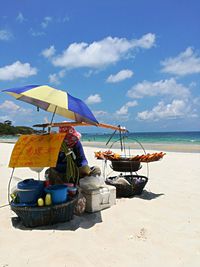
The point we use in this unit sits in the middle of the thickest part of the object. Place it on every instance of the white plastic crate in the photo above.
(99, 199)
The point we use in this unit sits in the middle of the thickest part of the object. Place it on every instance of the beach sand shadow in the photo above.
(147, 195)
(85, 221)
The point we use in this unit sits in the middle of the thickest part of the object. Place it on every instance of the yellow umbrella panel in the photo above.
(55, 101)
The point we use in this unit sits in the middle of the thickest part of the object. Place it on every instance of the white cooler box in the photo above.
(99, 199)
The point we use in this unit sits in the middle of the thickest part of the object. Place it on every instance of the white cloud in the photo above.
(100, 113)
(120, 76)
(17, 70)
(66, 19)
(20, 18)
(13, 109)
(163, 87)
(9, 105)
(4, 118)
(101, 53)
(49, 52)
(177, 109)
(36, 33)
(55, 77)
(196, 100)
(93, 99)
(89, 73)
(187, 62)
(124, 109)
(147, 41)
(46, 22)
(5, 35)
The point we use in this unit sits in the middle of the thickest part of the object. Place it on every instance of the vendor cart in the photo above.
(38, 151)
(128, 182)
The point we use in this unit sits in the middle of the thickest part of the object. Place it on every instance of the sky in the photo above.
(135, 63)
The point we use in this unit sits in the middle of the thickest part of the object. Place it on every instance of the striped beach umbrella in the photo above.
(55, 101)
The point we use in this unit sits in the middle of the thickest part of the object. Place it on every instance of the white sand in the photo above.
(160, 228)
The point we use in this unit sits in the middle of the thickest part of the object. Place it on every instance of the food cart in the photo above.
(129, 182)
(34, 201)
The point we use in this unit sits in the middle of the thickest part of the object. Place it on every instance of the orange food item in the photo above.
(109, 155)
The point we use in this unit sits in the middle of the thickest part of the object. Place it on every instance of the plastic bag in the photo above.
(92, 182)
(80, 206)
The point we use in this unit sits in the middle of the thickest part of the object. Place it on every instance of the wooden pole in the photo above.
(74, 123)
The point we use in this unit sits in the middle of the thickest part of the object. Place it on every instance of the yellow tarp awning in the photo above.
(36, 150)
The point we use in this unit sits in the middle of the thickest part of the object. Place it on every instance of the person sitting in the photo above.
(70, 158)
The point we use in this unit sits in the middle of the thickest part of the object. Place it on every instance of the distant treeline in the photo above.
(6, 128)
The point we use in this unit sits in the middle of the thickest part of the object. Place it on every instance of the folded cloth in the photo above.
(121, 180)
(95, 170)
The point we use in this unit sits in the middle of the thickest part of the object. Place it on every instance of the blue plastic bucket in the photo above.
(29, 190)
(58, 193)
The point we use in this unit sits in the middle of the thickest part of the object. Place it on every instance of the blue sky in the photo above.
(135, 63)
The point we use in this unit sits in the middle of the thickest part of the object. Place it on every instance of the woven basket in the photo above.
(128, 190)
(47, 215)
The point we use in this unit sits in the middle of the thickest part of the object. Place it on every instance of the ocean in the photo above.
(148, 137)
(143, 137)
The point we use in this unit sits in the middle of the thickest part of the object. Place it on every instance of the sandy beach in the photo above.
(159, 228)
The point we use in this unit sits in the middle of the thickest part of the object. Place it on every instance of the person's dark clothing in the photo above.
(80, 160)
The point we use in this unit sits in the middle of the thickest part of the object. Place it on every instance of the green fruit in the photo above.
(40, 202)
(48, 200)
(13, 196)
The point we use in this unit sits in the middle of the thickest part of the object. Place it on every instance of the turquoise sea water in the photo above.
(8, 138)
(148, 137)
(144, 137)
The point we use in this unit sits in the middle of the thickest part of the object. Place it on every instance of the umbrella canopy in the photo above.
(54, 100)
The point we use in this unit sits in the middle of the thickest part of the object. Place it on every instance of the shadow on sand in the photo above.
(85, 221)
(147, 195)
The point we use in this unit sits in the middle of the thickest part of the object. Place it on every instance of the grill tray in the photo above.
(125, 165)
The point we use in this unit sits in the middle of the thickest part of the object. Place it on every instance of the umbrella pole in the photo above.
(49, 127)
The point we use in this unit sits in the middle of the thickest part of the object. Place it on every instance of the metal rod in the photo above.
(53, 115)
(120, 134)
(9, 185)
(110, 137)
(50, 125)
(145, 154)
